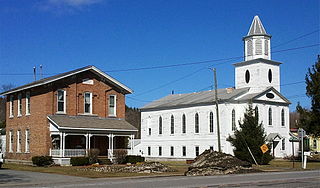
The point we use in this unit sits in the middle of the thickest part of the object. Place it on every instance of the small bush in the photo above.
(133, 159)
(104, 161)
(79, 161)
(42, 160)
(93, 155)
(120, 155)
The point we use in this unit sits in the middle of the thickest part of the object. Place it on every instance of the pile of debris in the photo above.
(147, 167)
(216, 163)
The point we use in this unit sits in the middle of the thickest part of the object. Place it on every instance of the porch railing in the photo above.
(68, 152)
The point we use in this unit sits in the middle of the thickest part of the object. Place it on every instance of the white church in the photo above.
(182, 126)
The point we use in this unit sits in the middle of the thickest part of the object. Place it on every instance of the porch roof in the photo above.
(89, 122)
(272, 136)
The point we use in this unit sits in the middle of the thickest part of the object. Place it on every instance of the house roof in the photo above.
(90, 122)
(67, 74)
(256, 28)
(258, 60)
(191, 99)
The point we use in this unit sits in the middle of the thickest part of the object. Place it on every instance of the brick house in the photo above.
(66, 115)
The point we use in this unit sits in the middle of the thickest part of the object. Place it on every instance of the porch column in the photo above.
(60, 144)
(110, 150)
(131, 143)
(87, 143)
(63, 143)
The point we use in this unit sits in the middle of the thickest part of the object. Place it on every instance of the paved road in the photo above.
(307, 179)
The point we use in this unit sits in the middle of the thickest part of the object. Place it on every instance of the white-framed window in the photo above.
(28, 103)
(270, 116)
(282, 118)
(11, 106)
(258, 47)
(18, 141)
(283, 144)
(112, 105)
(233, 120)
(160, 151)
(196, 123)
(197, 150)
(256, 111)
(160, 125)
(11, 139)
(314, 143)
(19, 104)
(27, 146)
(172, 125)
(171, 151)
(211, 122)
(61, 101)
(149, 150)
(184, 124)
(87, 103)
(184, 151)
(149, 131)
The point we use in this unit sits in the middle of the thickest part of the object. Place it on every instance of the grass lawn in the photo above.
(179, 166)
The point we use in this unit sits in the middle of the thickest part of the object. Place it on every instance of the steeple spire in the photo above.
(257, 41)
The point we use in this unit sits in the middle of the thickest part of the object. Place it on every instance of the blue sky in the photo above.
(63, 35)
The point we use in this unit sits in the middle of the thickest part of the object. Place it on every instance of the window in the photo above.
(270, 116)
(149, 132)
(211, 122)
(27, 148)
(184, 124)
(11, 141)
(270, 76)
(266, 47)
(61, 101)
(197, 150)
(88, 103)
(28, 103)
(19, 104)
(172, 124)
(160, 150)
(282, 118)
(283, 144)
(256, 111)
(149, 150)
(184, 151)
(233, 121)
(18, 141)
(247, 76)
(160, 125)
(314, 143)
(258, 47)
(249, 48)
(172, 151)
(11, 106)
(211, 148)
(196, 123)
(112, 105)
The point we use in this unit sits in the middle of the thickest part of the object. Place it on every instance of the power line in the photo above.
(297, 38)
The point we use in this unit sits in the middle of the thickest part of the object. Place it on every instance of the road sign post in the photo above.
(301, 134)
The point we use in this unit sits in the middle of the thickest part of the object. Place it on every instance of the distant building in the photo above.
(66, 115)
(182, 126)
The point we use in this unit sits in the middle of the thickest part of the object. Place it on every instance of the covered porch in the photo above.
(76, 136)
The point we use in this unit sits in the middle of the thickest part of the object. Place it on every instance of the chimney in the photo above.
(34, 73)
(40, 71)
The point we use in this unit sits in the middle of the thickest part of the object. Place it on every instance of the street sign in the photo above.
(264, 148)
(301, 132)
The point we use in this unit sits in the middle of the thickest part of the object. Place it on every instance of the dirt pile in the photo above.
(216, 163)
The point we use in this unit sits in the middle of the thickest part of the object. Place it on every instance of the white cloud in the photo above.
(60, 6)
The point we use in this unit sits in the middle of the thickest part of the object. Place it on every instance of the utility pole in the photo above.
(217, 107)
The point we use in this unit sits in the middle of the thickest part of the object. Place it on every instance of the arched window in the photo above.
(172, 124)
(249, 48)
(258, 47)
(183, 123)
(282, 118)
(211, 122)
(266, 47)
(160, 125)
(270, 116)
(233, 120)
(247, 76)
(196, 123)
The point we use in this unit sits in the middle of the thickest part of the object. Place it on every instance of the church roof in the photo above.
(194, 99)
(254, 96)
(257, 28)
(258, 60)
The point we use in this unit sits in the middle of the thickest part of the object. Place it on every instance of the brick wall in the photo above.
(44, 102)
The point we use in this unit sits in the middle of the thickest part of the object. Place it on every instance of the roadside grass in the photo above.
(180, 168)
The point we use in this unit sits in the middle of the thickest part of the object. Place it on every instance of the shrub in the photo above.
(120, 155)
(42, 160)
(93, 155)
(79, 161)
(104, 161)
(133, 159)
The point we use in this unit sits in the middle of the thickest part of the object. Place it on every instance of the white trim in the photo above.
(89, 68)
(28, 104)
(19, 105)
(115, 105)
(10, 141)
(84, 103)
(27, 145)
(64, 101)
(18, 141)
(11, 108)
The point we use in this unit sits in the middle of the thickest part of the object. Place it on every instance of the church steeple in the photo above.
(257, 41)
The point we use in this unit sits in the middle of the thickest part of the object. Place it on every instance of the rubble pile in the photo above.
(147, 167)
(217, 163)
